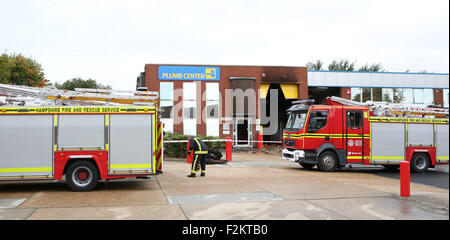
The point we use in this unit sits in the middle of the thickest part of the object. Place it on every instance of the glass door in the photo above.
(242, 132)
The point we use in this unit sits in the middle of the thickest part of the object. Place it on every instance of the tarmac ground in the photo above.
(254, 186)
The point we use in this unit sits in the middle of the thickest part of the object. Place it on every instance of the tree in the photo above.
(6, 65)
(81, 83)
(317, 65)
(19, 70)
(376, 67)
(341, 65)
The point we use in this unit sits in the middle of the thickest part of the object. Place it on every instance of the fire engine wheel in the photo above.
(82, 176)
(420, 162)
(328, 161)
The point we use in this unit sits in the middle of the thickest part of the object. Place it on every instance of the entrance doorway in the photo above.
(282, 104)
(242, 132)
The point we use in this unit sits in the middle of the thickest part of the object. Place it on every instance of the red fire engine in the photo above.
(86, 144)
(331, 136)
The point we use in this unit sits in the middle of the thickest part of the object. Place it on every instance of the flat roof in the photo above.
(378, 72)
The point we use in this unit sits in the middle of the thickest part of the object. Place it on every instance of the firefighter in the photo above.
(200, 151)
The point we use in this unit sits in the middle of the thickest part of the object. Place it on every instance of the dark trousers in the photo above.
(199, 159)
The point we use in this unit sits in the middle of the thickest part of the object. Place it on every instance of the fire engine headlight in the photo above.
(299, 154)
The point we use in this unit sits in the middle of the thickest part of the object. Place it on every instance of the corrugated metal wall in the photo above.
(381, 79)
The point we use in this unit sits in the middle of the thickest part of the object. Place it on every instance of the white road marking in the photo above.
(366, 209)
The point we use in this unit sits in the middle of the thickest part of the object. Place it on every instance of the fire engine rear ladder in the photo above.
(393, 109)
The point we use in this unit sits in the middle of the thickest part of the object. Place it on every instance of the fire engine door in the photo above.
(354, 135)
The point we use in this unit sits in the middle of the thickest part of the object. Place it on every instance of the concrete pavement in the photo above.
(253, 186)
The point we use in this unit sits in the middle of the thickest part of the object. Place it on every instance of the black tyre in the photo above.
(420, 162)
(82, 176)
(328, 161)
(307, 165)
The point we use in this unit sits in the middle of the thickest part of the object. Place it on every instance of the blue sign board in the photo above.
(188, 73)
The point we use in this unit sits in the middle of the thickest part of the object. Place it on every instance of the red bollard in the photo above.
(260, 141)
(404, 179)
(189, 157)
(229, 148)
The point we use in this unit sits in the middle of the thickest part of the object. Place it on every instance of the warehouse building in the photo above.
(394, 87)
(242, 101)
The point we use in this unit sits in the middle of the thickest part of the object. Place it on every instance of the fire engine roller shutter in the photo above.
(442, 143)
(421, 135)
(81, 131)
(388, 142)
(26, 147)
(131, 143)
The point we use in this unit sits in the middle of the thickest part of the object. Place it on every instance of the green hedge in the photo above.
(178, 150)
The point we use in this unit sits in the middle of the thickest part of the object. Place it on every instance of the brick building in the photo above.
(204, 99)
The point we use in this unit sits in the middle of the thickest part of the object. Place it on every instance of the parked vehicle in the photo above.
(331, 136)
(86, 144)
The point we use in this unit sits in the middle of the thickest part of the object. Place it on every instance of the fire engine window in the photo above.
(354, 119)
(317, 121)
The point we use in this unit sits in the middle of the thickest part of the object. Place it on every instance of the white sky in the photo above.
(111, 41)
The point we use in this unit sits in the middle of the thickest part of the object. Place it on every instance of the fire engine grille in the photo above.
(288, 155)
(289, 142)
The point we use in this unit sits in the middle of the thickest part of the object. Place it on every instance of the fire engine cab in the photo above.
(331, 136)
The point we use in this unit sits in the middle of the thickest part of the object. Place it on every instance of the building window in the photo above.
(408, 96)
(166, 105)
(388, 95)
(356, 94)
(212, 109)
(366, 94)
(189, 100)
(189, 111)
(212, 100)
(189, 108)
(393, 95)
(428, 97)
(377, 94)
(418, 95)
(445, 93)
(166, 99)
(166, 110)
(398, 95)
